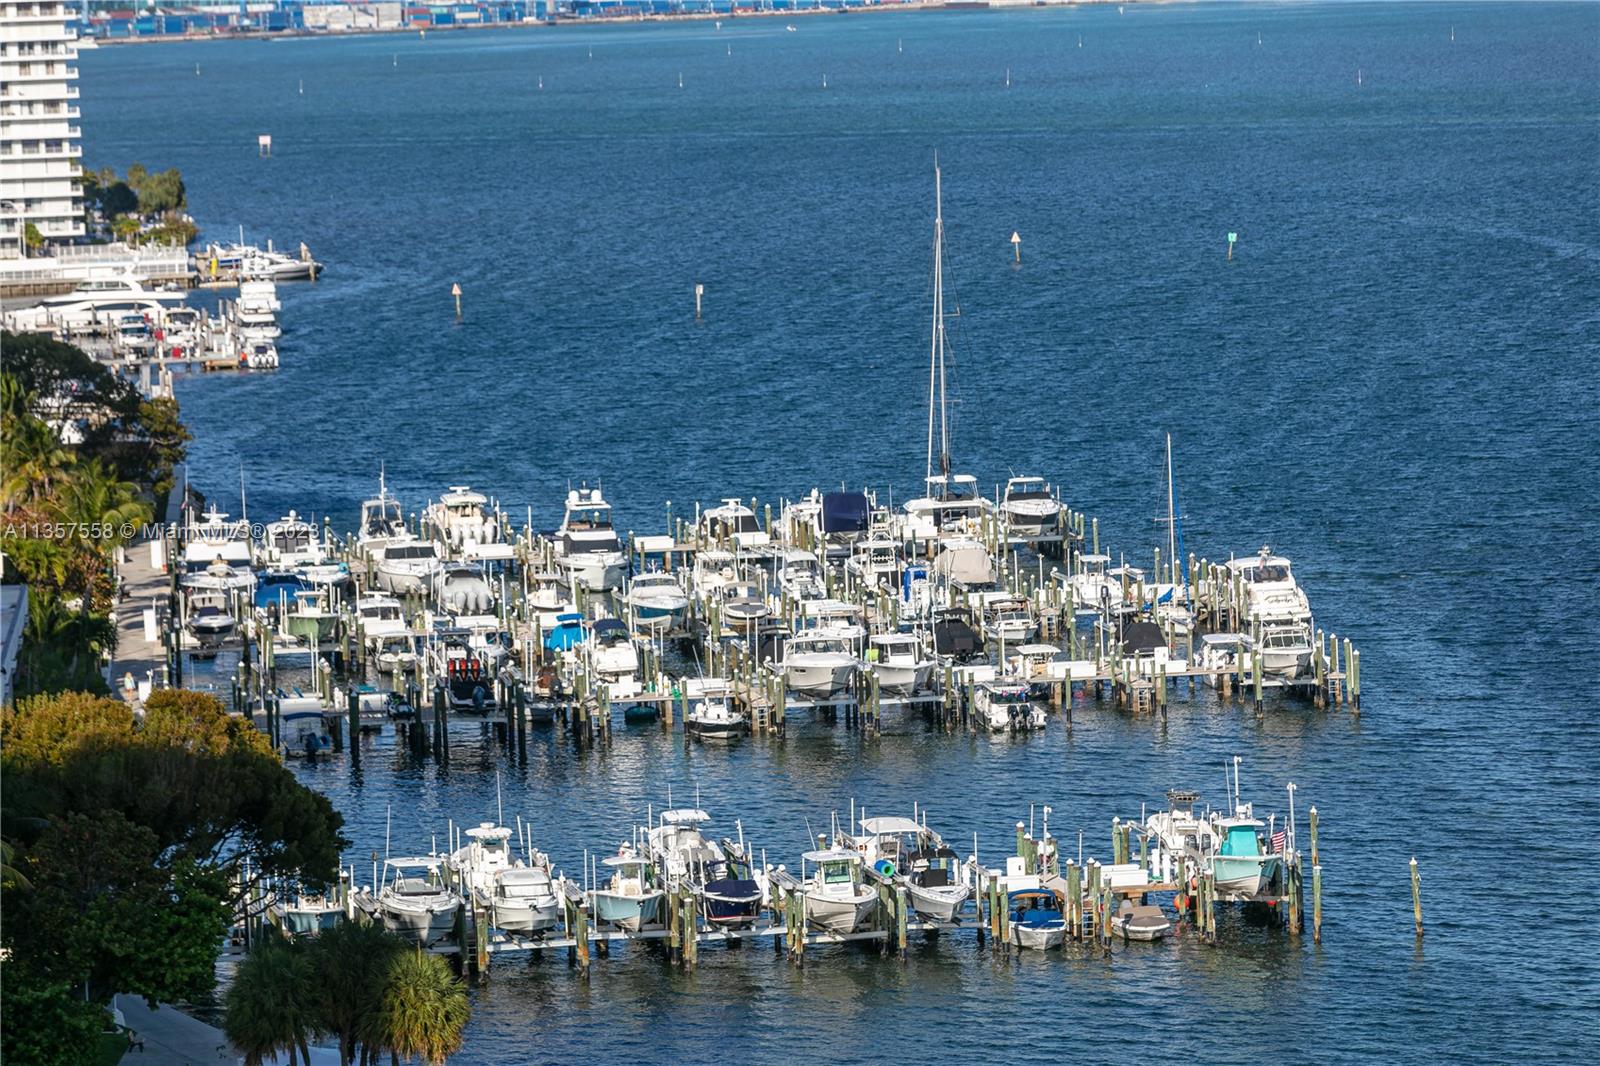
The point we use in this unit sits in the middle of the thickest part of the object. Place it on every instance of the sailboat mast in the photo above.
(935, 351)
(1172, 516)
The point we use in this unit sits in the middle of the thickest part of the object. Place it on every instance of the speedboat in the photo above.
(587, 548)
(210, 619)
(684, 855)
(819, 663)
(469, 679)
(291, 543)
(408, 565)
(1029, 508)
(462, 519)
(896, 660)
(611, 652)
(632, 898)
(1244, 863)
(743, 605)
(710, 711)
(309, 618)
(1140, 921)
(462, 589)
(733, 522)
(415, 902)
(302, 727)
(1003, 705)
(1093, 590)
(1036, 918)
(382, 521)
(305, 914)
(656, 601)
(833, 896)
(1009, 619)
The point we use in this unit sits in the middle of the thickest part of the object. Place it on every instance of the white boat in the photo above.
(910, 852)
(800, 576)
(99, 299)
(220, 577)
(1223, 653)
(1277, 606)
(610, 651)
(632, 897)
(255, 311)
(1140, 921)
(302, 727)
(876, 561)
(683, 855)
(656, 600)
(213, 537)
(713, 568)
(408, 565)
(734, 523)
(1009, 619)
(258, 353)
(1036, 919)
(211, 618)
(380, 617)
(1093, 591)
(382, 521)
(462, 589)
(820, 663)
(1029, 508)
(833, 896)
(520, 896)
(414, 901)
(951, 504)
(252, 261)
(1244, 863)
(305, 914)
(463, 521)
(897, 661)
(1003, 706)
(587, 548)
(742, 605)
(709, 710)
(1285, 649)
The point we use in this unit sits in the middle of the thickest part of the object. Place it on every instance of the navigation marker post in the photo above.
(1016, 245)
(1232, 237)
(455, 291)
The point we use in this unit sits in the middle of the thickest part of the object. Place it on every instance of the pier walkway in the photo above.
(140, 651)
(172, 1037)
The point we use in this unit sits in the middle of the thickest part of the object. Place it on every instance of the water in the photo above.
(1393, 382)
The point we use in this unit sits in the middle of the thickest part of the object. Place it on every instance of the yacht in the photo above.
(255, 311)
(414, 901)
(897, 661)
(380, 617)
(211, 619)
(251, 261)
(407, 565)
(732, 894)
(97, 299)
(213, 537)
(463, 521)
(631, 898)
(743, 605)
(611, 653)
(1029, 508)
(292, 543)
(657, 601)
(833, 896)
(587, 548)
(382, 521)
(951, 504)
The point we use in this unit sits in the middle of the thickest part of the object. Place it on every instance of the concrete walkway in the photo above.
(172, 1038)
(146, 587)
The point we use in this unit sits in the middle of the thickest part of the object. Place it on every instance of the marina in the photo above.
(736, 603)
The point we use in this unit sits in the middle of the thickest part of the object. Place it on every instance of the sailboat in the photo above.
(952, 502)
(1172, 598)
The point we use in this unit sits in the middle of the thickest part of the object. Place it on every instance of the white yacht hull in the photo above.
(626, 912)
(820, 677)
(1038, 938)
(424, 925)
(599, 574)
(536, 915)
(840, 915)
(398, 581)
(938, 904)
(902, 679)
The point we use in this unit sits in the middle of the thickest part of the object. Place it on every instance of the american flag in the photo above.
(1278, 840)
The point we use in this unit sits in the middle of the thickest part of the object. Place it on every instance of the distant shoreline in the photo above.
(957, 6)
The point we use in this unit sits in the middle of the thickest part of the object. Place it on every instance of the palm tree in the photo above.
(94, 496)
(271, 1006)
(424, 1008)
(350, 964)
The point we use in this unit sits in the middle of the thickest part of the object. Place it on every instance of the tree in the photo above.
(45, 1024)
(31, 236)
(126, 228)
(424, 1009)
(272, 1004)
(351, 962)
(117, 199)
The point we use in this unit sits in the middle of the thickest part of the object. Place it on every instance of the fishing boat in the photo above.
(657, 601)
(1009, 619)
(906, 849)
(292, 543)
(876, 561)
(302, 727)
(520, 896)
(587, 549)
(743, 605)
(955, 638)
(734, 523)
(382, 521)
(1036, 918)
(1140, 921)
(709, 709)
(1029, 508)
(800, 576)
(684, 855)
(414, 901)
(819, 663)
(275, 591)
(1243, 863)
(833, 896)
(1093, 591)
(632, 897)
(210, 619)
(610, 650)
(897, 661)
(305, 914)
(1004, 706)
(408, 565)
(309, 618)
(463, 521)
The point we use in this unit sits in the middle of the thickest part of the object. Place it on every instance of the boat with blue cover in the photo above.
(1036, 918)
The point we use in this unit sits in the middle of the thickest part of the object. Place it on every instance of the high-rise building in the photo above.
(39, 136)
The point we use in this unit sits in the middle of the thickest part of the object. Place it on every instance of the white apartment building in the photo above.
(40, 151)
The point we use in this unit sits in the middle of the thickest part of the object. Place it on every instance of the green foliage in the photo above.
(424, 1008)
(46, 1024)
(31, 236)
(60, 648)
(142, 192)
(351, 962)
(272, 1005)
(205, 783)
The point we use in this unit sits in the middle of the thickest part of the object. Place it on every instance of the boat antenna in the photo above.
(500, 807)
(388, 819)
(244, 511)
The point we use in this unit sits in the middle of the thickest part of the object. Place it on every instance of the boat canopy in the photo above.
(1241, 840)
(890, 825)
(832, 855)
(1142, 636)
(489, 831)
(685, 816)
(845, 512)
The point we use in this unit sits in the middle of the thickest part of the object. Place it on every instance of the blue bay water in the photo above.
(1394, 382)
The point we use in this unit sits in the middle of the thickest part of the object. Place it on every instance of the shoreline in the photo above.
(953, 6)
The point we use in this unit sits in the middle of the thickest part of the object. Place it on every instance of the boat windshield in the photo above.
(836, 873)
(1241, 840)
(421, 551)
(1266, 572)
